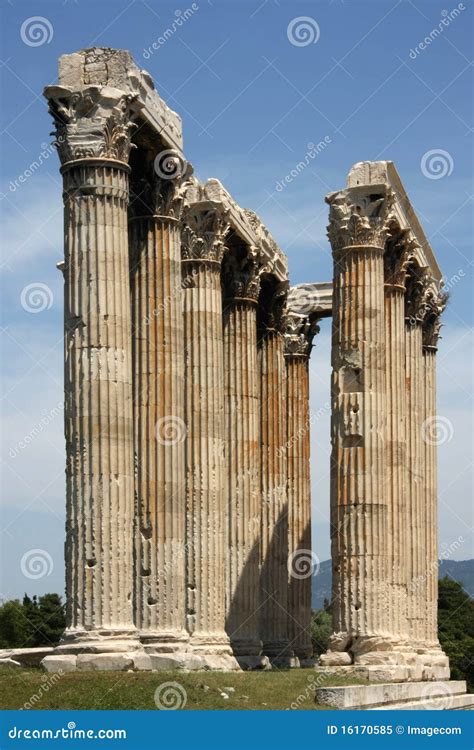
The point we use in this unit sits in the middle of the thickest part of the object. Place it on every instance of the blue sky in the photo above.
(251, 101)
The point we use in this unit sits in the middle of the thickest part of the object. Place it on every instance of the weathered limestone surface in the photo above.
(274, 542)
(206, 485)
(160, 429)
(300, 330)
(242, 399)
(398, 252)
(187, 408)
(93, 137)
(359, 500)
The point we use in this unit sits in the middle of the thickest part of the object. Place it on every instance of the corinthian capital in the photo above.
(93, 123)
(435, 305)
(241, 277)
(360, 217)
(299, 334)
(418, 290)
(399, 253)
(202, 234)
(156, 192)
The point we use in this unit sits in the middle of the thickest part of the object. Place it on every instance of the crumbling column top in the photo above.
(103, 67)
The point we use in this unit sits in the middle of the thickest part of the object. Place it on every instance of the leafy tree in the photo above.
(14, 627)
(321, 629)
(456, 629)
(32, 622)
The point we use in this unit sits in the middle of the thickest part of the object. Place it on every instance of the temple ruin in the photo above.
(187, 408)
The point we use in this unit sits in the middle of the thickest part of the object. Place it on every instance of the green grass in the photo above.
(136, 690)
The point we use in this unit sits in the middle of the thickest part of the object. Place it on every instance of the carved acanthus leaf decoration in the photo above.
(92, 123)
(436, 304)
(418, 286)
(399, 253)
(299, 334)
(154, 194)
(241, 277)
(202, 235)
(360, 217)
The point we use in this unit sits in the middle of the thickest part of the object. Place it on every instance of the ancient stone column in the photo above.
(160, 429)
(432, 434)
(274, 500)
(397, 256)
(242, 409)
(93, 139)
(358, 229)
(417, 285)
(301, 560)
(206, 479)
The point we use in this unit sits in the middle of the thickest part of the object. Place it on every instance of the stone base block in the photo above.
(335, 659)
(451, 703)
(436, 673)
(370, 696)
(26, 657)
(105, 641)
(119, 662)
(59, 663)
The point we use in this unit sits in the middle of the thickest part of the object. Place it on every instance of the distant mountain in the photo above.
(460, 570)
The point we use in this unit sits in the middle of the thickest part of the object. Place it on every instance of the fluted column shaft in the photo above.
(416, 573)
(206, 471)
(274, 529)
(98, 401)
(430, 488)
(160, 430)
(300, 558)
(396, 453)
(242, 392)
(359, 497)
